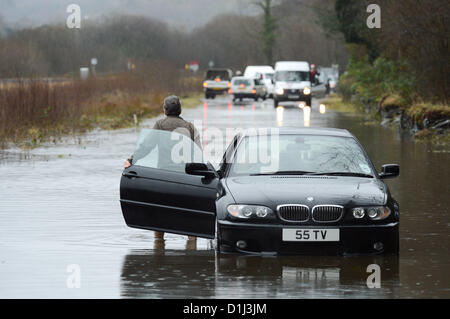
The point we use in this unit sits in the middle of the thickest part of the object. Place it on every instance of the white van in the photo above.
(292, 82)
(264, 73)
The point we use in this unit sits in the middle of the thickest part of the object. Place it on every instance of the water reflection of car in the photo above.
(217, 81)
(247, 88)
(203, 274)
(278, 191)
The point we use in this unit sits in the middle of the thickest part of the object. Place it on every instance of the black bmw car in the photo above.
(276, 191)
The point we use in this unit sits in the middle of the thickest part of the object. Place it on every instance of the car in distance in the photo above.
(292, 82)
(243, 87)
(264, 73)
(217, 81)
(329, 76)
(277, 191)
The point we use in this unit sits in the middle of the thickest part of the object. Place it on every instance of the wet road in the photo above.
(60, 216)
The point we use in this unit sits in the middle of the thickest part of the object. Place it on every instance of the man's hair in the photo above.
(172, 105)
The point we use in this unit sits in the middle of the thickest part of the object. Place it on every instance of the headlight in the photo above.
(280, 91)
(307, 91)
(249, 211)
(374, 213)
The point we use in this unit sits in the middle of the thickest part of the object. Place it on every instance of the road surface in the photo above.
(62, 233)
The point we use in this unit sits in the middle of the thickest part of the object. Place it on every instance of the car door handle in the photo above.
(130, 174)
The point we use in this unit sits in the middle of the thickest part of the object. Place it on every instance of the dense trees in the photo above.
(418, 31)
(229, 40)
(413, 40)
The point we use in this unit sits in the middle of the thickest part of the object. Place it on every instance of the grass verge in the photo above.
(431, 120)
(35, 112)
(335, 102)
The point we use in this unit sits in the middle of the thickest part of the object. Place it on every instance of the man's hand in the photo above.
(126, 164)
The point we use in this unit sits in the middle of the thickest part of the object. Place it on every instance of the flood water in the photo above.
(59, 211)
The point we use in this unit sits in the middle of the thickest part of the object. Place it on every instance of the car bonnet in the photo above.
(314, 190)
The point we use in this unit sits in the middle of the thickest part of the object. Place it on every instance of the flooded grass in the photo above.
(335, 102)
(36, 111)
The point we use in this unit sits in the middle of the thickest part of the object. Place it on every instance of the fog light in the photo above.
(378, 246)
(241, 244)
(358, 213)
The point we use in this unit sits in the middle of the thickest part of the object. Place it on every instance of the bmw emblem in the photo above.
(310, 199)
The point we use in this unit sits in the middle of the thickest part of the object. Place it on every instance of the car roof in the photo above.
(252, 69)
(242, 78)
(292, 66)
(324, 131)
(219, 69)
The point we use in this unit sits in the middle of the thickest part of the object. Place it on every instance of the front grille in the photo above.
(327, 213)
(294, 213)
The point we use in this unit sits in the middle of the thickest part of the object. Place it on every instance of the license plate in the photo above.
(294, 96)
(290, 234)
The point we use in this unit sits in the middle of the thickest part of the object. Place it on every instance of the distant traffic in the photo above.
(289, 81)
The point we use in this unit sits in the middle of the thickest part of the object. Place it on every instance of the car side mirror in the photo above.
(199, 169)
(389, 171)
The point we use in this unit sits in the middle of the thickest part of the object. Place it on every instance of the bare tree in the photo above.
(270, 27)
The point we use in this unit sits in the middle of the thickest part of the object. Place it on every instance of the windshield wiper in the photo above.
(343, 174)
(283, 173)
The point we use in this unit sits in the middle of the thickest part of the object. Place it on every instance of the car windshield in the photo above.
(268, 76)
(300, 154)
(166, 150)
(241, 81)
(291, 76)
(214, 74)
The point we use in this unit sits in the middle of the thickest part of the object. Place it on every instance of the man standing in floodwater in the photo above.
(171, 122)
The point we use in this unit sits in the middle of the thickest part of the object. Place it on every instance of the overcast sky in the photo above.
(182, 13)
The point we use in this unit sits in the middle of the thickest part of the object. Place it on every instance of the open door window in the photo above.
(156, 193)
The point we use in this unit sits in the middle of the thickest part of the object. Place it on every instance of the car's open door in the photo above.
(156, 193)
